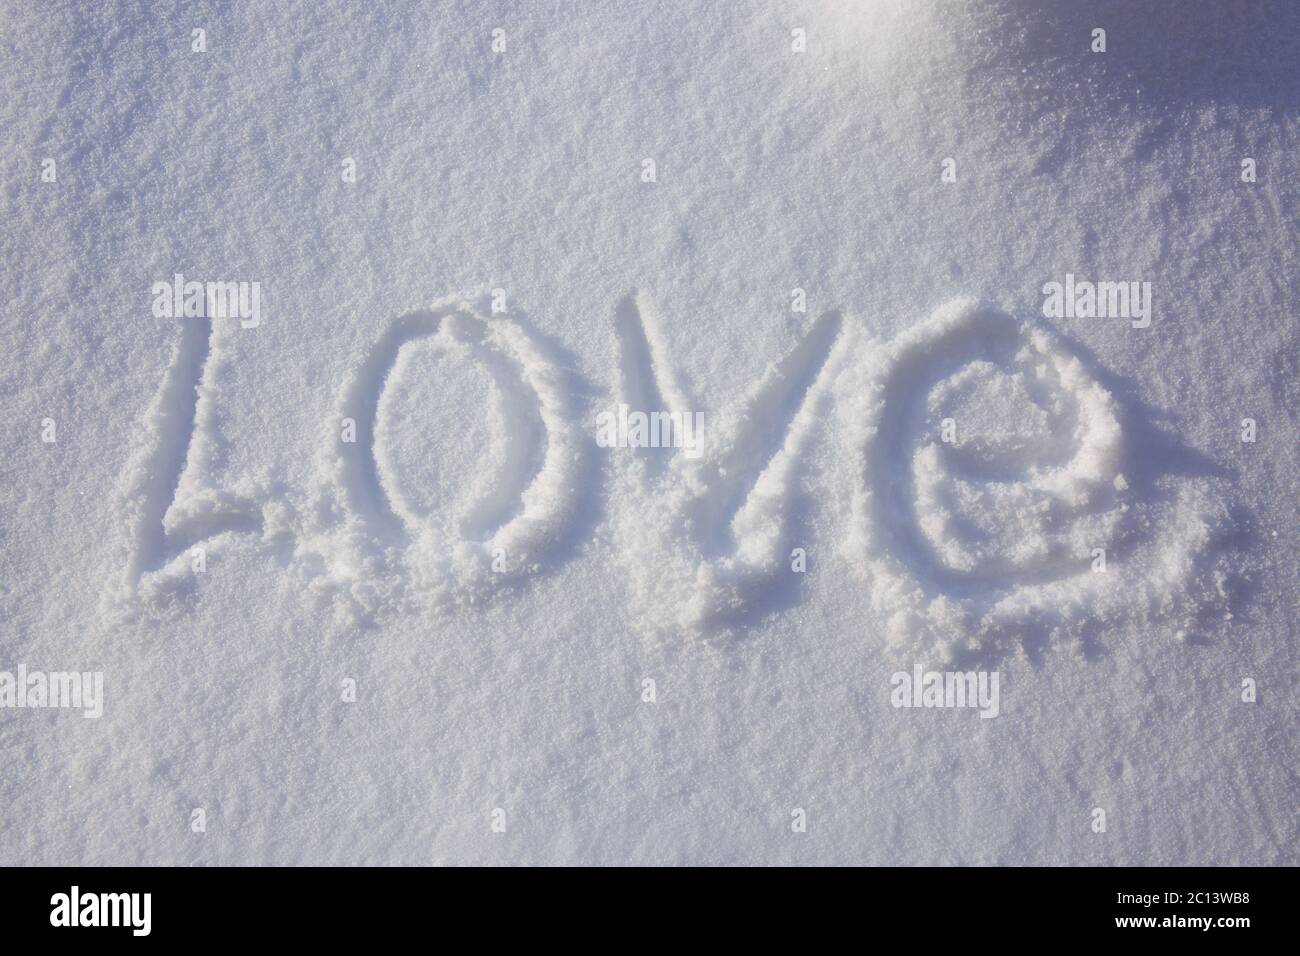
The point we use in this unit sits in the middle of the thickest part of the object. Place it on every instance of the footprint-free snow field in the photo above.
(623, 432)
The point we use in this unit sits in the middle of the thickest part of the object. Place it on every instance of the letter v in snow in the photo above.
(725, 503)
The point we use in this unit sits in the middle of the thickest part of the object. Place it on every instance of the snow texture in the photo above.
(363, 585)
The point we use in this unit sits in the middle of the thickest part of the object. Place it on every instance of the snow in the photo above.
(501, 588)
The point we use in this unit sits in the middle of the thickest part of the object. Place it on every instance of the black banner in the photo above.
(335, 906)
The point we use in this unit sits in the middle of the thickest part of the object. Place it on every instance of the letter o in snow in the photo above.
(534, 386)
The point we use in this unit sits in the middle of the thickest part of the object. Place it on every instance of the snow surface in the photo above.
(520, 687)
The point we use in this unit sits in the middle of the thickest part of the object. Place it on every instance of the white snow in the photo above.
(638, 655)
